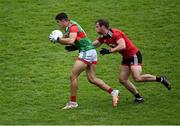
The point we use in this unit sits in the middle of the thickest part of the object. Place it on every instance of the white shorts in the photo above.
(88, 57)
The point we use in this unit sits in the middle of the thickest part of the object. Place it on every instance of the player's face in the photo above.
(98, 28)
(61, 23)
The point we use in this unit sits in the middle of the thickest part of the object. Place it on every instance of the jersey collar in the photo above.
(108, 35)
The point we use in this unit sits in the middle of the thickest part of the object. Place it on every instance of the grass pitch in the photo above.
(34, 74)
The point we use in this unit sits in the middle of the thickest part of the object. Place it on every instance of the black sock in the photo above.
(158, 79)
(137, 96)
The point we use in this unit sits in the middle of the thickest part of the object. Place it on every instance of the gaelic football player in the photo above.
(76, 38)
(131, 57)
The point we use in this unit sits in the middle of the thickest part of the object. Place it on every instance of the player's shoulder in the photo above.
(115, 30)
(74, 26)
(73, 23)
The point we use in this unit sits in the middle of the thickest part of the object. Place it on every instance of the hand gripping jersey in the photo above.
(113, 36)
(82, 42)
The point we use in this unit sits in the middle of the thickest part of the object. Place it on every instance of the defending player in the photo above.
(132, 58)
(86, 61)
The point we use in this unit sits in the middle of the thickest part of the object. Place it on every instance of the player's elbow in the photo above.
(71, 42)
(123, 47)
(120, 48)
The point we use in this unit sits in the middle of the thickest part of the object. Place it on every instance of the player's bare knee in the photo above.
(137, 79)
(72, 77)
(91, 80)
(122, 81)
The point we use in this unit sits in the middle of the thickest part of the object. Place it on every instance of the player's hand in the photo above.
(104, 51)
(71, 48)
(53, 37)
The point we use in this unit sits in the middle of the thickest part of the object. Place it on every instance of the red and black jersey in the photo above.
(111, 40)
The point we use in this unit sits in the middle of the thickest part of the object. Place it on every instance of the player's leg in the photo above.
(136, 70)
(123, 79)
(91, 75)
(78, 67)
(136, 73)
(90, 70)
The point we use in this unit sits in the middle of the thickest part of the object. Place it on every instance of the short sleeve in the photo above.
(117, 35)
(74, 28)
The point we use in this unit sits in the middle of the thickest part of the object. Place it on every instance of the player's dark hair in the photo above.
(61, 16)
(103, 22)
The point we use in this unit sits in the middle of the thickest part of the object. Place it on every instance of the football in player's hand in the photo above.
(53, 37)
(57, 33)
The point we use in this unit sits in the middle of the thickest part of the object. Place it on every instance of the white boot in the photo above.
(115, 95)
(71, 105)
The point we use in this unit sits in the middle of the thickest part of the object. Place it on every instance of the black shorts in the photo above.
(134, 60)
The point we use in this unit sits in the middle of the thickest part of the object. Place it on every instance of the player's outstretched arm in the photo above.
(96, 44)
(121, 45)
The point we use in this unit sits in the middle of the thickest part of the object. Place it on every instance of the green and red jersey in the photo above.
(82, 42)
(111, 40)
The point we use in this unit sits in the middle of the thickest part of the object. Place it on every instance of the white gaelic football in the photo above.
(57, 33)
